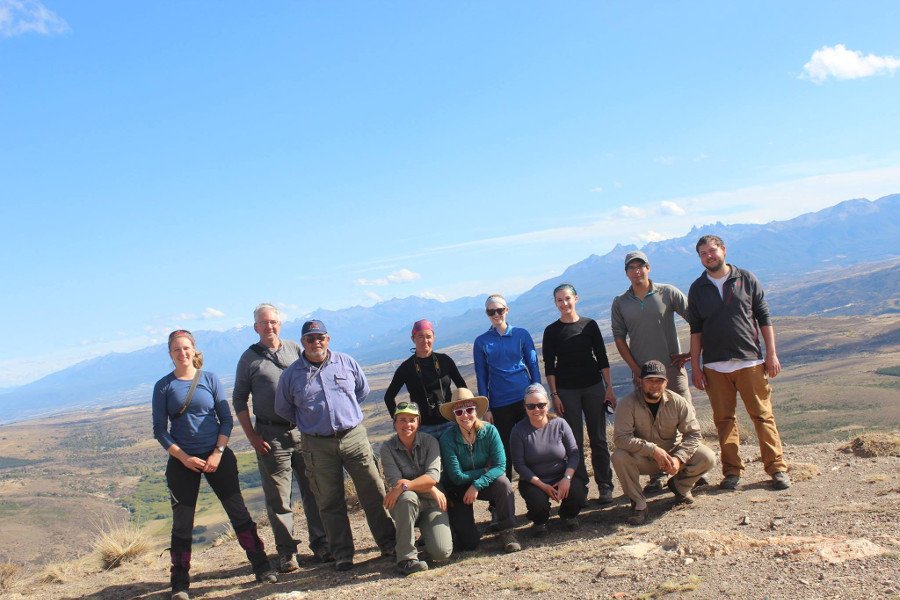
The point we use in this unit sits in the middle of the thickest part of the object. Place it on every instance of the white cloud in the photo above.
(617, 184)
(373, 296)
(841, 63)
(401, 276)
(630, 212)
(212, 313)
(667, 207)
(432, 296)
(652, 236)
(18, 17)
(597, 190)
(665, 160)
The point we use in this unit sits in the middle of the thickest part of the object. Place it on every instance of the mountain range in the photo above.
(842, 260)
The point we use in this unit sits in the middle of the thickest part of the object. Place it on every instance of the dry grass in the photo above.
(671, 586)
(57, 573)
(121, 543)
(803, 471)
(9, 573)
(226, 536)
(527, 583)
(711, 434)
(870, 445)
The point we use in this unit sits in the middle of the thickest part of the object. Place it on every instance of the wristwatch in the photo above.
(221, 449)
(404, 487)
(569, 477)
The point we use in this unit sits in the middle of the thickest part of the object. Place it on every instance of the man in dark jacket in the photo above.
(726, 311)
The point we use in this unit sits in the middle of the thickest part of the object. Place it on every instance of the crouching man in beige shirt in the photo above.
(656, 430)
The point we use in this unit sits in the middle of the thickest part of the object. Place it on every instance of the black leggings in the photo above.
(184, 486)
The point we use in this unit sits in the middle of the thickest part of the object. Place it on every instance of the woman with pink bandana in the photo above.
(427, 376)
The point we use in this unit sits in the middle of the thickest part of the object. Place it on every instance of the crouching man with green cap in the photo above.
(412, 466)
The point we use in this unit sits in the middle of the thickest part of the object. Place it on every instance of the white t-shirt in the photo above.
(735, 364)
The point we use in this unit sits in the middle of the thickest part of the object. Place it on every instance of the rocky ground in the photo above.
(834, 534)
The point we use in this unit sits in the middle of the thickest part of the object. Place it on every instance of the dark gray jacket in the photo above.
(729, 325)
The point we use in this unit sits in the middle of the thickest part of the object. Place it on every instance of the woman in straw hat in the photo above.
(475, 468)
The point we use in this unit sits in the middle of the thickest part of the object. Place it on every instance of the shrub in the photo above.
(9, 572)
(121, 543)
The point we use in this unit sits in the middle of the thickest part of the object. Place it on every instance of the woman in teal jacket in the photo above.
(475, 468)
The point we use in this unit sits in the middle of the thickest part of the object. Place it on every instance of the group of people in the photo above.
(452, 447)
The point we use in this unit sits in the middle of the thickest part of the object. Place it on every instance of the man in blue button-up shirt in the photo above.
(321, 392)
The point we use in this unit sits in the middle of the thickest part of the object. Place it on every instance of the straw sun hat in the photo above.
(463, 396)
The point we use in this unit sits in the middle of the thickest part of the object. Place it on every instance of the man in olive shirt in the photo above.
(656, 430)
(276, 440)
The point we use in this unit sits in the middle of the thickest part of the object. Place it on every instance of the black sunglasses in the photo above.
(495, 311)
(408, 406)
(539, 405)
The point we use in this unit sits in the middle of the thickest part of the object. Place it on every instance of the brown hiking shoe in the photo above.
(510, 541)
(686, 498)
(637, 517)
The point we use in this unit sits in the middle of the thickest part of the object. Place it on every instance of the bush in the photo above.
(121, 543)
(9, 572)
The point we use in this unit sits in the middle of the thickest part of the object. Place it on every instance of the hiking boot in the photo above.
(343, 565)
(686, 498)
(323, 555)
(702, 481)
(606, 496)
(637, 517)
(781, 480)
(539, 530)
(267, 576)
(287, 563)
(571, 524)
(730, 482)
(655, 486)
(408, 567)
(510, 541)
(181, 595)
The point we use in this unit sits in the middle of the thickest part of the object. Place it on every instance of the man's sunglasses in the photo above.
(314, 337)
(539, 405)
(464, 411)
(495, 311)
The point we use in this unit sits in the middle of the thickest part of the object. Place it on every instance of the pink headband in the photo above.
(422, 325)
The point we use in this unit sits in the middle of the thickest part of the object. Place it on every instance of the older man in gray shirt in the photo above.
(275, 439)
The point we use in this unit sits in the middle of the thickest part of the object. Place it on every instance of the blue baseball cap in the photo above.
(314, 326)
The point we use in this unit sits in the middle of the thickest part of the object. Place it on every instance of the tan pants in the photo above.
(629, 468)
(753, 385)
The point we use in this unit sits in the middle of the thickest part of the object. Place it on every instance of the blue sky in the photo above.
(170, 164)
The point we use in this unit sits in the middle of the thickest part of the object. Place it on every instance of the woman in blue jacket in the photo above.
(192, 421)
(505, 364)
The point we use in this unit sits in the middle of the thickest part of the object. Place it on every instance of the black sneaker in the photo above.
(701, 482)
(539, 530)
(605, 497)
(509, 541)
(731, 482)
(571, 524)
(781, 480)
(180, 595)
(408, 567)
(343, 565)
